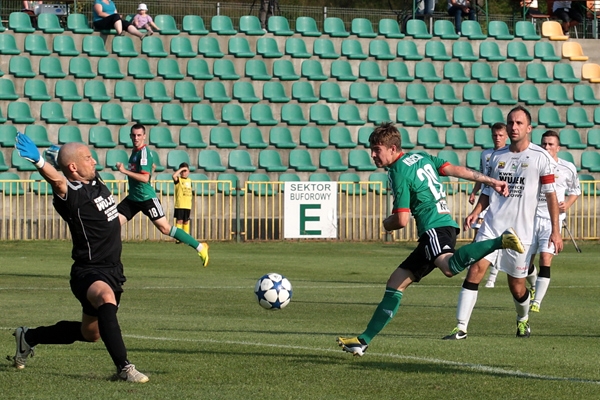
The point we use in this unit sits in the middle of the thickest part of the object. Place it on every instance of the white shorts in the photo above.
(509, 261)
(542, 229)
(479, 221)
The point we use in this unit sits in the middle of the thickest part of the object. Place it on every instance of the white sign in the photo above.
(310, 210)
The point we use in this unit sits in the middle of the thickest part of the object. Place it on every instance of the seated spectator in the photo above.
(569, 16)
(32, 8)
(459, 9)
(106, 17)
(144, 21)
(426, 7)
(531, 8)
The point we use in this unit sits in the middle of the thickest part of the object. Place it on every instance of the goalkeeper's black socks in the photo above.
(110, 332)
(63, 332)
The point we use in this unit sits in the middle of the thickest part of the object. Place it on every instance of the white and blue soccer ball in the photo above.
(51, 155)
(273, 291)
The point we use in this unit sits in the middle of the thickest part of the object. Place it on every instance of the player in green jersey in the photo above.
(142, 197)
(415, 183)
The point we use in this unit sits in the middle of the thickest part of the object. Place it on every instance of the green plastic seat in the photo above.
(330, 92)
(464, 117)
(417, 29)
(244, 92)
(155, 91)
(8, 134)
(227, 184)
(281, 138)
(99, 165)
(262, 115)
(509, 72)
(307, 26)
(122, 46)
(557, 94)
(250, 25)
(545, 52)
(210, 161)
(463, 50)
(370, 71)
(284, 70)
(208, 46)
(83, 113)
(252, 138)
(349, 183)
(321, 115)
(279, 26)
(197, 69)
(66, 90)
(168, 68)
(483, 138)
(436, 50)
(312, 138)
(588, 184)
(310, 69)
(323, 48)
(191, 137)
(578, 117)
(378, 114)
(303, 92)
(112, 114)
(39, 186)
(301, 161)
(274, 92)
(568, 156)
(597, 115)
(499, 31)
(8, 44)
(490, 51)
(110, 182)
(241, 161)
(143, 113)
(444, 94)
(292, 114)
(449, 155)
(526, 31)
(126, 91)
(389, 28)
(564, 73)
(331, 160)
(482, 72)
(270, 161)
(362, 28)
(39, 135)
(167, 24)
(590, 160)
(267, 47)
(335, 27)
(361, 93)
(457, 139)
(501, 94)
(35, 90)
(20, 164)
(158, 166)
(364, 133)
(378, 182)
(571, 139)
(93, 46)
(257, 70)
(222, 25)
(181, 47)
(139, 68)
(417, 93)
(225, 70)
(360, 160)
(429, 138)
(536, 135)
(296, 48)
(593, 138)
(215, 92)
(260, 185)
(537, 73)
(10, 184)
(19, 113)
(389, 94)
(161, 138)
(20, 67)
(341, 138)
(444, 29)
(408, 116)
(203, 114)
(455, 72)
(549, 117)
(194, 25)
(20, 22)
(233, 114)
(81, 68)
(114, 156)
(352, 49)
(472, 30)
(7, 90)
(101, 138)
(173, 114)
(349, 115)
(342, 71)
(407, 49)
(34, 44)
(436, 116)
(49, 23)
(380, 50)
(584, 94)
(185, 92)
(64, 46)
(78, 23)
(426, 72)
(95, 91)
(108, 68)
(473, 160)
(152, 46)
(529, 95)
(239, 47)
(200, 186)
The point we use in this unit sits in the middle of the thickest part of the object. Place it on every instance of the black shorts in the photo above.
(431, 245)
(108, 23)
(571, 15)
(82, 277)
(182, 214)
(151, 208)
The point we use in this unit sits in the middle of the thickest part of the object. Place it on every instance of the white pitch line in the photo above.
(475, 367)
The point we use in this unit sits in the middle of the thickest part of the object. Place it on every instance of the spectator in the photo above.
(32, 8)
(425, 7)
(459, 9)
(106, 17)
(531, 8)
(144, 21)
(267, 9)
(569, 16)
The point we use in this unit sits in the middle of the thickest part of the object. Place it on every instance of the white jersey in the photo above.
(566, 182)
(528, 174)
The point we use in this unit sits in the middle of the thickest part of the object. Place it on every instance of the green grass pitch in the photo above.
(198, 333)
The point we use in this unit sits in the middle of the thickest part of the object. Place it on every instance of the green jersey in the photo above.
(141, 163)
(415, 182)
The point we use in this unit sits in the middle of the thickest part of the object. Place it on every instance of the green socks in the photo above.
(180, 235)
(383, 314)
(469, 254)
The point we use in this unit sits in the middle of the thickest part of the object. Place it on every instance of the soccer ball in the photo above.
(273, 291)
(51, 155)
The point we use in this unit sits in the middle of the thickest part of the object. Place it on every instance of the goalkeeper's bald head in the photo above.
(75, 161)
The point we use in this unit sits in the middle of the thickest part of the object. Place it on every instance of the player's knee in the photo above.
(90, 333)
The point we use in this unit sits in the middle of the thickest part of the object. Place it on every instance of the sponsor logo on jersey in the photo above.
(501, 164)
(524, 165)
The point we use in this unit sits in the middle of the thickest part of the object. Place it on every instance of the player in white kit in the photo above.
(567, 192)
(529, 170)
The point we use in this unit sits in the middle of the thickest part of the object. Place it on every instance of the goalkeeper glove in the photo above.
(28, 150)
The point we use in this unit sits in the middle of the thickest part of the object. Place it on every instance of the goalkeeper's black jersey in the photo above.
(91, 213)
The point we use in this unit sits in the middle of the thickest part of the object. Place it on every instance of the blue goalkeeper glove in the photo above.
(28, 150)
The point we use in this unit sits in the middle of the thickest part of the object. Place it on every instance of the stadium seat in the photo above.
(321, 115)
(408, 116)
(588, 184)
(173, 114)
(181, 47)
(126, 91)
(436, 50)
(197, 68)
(95, 91)
(577, 116)
(472, 30)
(584, 94)
(292, 114)
(250, 25)
(239, 47)
(553, 31)
(545, 52)
(548, 117)
(167, 24)
(34, 44)
(473, 159)
(365, 132)
(194, 25)
(279, 26)
(268, 48)
(93, 46)
(526, 31)
(227, 185)
(378, 182)
(340, 137)
(323, 48)
(244, 92)
(449, 155)
(360, 160)
(573, 51)
(252, 138)
(81, 68)
(557, 94)
(389, 28)
(270, 161)
(349, 184)
(281, 138)
(426, 72)
(83, 113)
(342, 71)
(407, 50)
(39, 135)
(398, 71)
(8, 135)
(444, 29)
(417, 94)
(482, 72)
(389, 94)
(139, 68)
(536, 135)
(20, 23)
(571, 139)
(10, 184)
(509, 72)
(8, 44)
(123, 46)
(210, 161)
(483, 138)
(502, 95)
(463, 50)
(436, 116)
(233, 115)
(168, 68)
(260, 185)
(444, 93)
(191, 137)
(369, 71)
(20, 113)
(331, 160)
(417, 29)
(215, 92)
(224, 69)
(19, 163)
(164, 185)
(303, 92)
(222, 25)
(428, 138)
(378, 114)
(155, 91)
(296, 48)
(455, 72)
(108, 68)
(100, 137)
(143, 113)
(307, 26)
(568, 156)
(176, 157)
(591, 72)
(39, 186)
(256, 70)
(362, 28)
(490, 51)
(208, 46)
(185, 92)
(284, 71)
(7, 90)
(113, 156)
(312, 138)
(78, 23)
(330, 92)
(20, 67)
(288, 177)
(564, 72)
(464, 117)
(35, 90)
(499, 30)
(349, 114)
(597, 115)
(518, 51)
(241, 161)
(590, 160)
(380, 50)
(274, 92)
(70, 134)
(457, 138)
(262, 115)
(361, 93)
(335, 27)
(112, 114)
(160, 137)
(529, 95)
